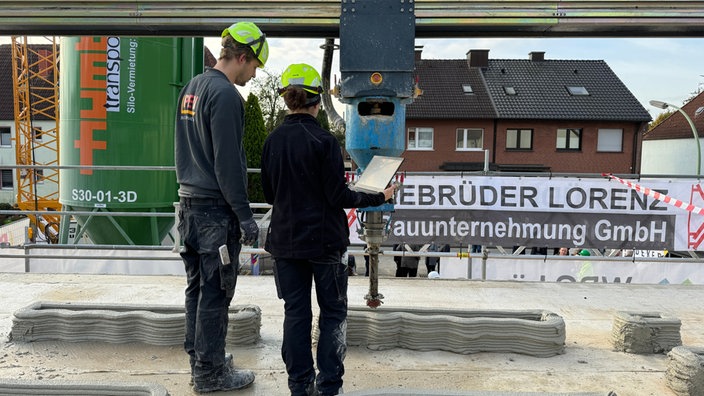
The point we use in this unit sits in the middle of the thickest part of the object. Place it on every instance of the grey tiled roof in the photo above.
(542, 93)
(540, 86)
(443, 97)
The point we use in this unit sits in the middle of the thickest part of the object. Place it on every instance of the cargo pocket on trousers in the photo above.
(228, 277)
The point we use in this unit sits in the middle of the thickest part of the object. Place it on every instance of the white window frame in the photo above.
(610, 140)
(413, 144)
(462, 146)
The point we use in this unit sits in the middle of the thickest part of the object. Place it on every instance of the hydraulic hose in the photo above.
(335, 119)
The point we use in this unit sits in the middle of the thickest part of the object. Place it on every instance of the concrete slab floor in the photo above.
(588, 365)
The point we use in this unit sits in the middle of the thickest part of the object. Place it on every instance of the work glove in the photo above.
(250, 232)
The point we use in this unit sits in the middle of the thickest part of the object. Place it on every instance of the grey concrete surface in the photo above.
(589, 364)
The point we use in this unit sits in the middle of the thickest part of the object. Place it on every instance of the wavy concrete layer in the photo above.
(645, 332)
(534, 332)
(418, 392)
(154, 325)
(685, 371)
(13, 387)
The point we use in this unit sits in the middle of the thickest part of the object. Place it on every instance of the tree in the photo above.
(325, 123)
(253, 141)
(660, 118)
(271, 104)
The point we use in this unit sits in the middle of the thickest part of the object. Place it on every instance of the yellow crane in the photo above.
(35, 80)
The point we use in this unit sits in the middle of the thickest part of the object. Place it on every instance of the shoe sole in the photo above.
(223, 389)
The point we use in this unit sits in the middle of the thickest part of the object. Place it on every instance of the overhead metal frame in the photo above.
(320, 18)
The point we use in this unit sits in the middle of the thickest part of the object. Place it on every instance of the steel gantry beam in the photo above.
(320, 18)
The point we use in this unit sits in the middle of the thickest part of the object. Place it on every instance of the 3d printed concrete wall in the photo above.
(155, 325)
(534, 332)
(685, 371)
(645, 332)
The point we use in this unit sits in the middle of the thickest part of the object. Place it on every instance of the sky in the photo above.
(664, 69)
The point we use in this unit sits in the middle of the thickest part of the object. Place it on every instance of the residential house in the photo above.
(671, 148)
(522, 115)
(41, 121)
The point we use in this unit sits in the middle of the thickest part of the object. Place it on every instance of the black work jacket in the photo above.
(303, 178)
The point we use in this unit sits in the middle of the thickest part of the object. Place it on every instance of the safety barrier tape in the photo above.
(659, 196)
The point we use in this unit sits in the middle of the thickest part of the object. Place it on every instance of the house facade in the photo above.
(522, 115)
(670, 148)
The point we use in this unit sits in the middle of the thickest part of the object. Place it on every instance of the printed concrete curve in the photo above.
(531, 332)
(150, 324)
(53, 387)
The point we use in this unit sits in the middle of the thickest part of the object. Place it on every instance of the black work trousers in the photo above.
(210, 285)
(294, 279)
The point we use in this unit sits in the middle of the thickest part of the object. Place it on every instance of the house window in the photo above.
(467, 89)
(38, 175)
(470, 139)
(38, 133)
(519, 139)
(5, 137)
(610, 141)
(510, 90)
(6, 179)
(577, 91)
(569, 139)
(420, 138)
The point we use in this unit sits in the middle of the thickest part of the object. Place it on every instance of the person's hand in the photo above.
(390, 191)
(250, 232)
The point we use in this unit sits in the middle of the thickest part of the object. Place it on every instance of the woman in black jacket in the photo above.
(303, 179)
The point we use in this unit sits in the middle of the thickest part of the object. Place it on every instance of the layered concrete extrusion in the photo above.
(532, 332)
(149, 324)
(685, 371)
(645, 332)
(77, 388)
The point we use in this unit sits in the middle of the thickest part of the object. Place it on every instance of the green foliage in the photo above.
(9, 218)
(271, 104)
(325, 123)
(660, 118)
(253, 141)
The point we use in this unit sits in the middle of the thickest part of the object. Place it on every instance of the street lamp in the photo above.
(664, 105)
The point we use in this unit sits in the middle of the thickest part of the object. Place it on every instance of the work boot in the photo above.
(226, 379)
(228, 363)
(311, 390)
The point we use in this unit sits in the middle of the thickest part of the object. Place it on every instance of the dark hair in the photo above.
(232, 49)
(297, 98)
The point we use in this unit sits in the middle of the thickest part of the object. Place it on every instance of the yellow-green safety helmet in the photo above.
(248, 33)
(304, 76)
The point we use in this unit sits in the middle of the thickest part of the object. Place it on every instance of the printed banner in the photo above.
(545, 212)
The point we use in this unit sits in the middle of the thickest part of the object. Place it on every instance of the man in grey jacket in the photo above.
(215, 217)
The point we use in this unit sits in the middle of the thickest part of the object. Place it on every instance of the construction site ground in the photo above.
(589, 364)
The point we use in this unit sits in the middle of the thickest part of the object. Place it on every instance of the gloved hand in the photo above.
(250, 232)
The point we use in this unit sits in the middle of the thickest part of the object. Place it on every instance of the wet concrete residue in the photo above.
(685, 371)
(150, 324)
(27, 387)
(645, 332)
(532, 332)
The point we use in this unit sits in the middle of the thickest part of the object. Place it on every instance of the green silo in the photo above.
(117, 104)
